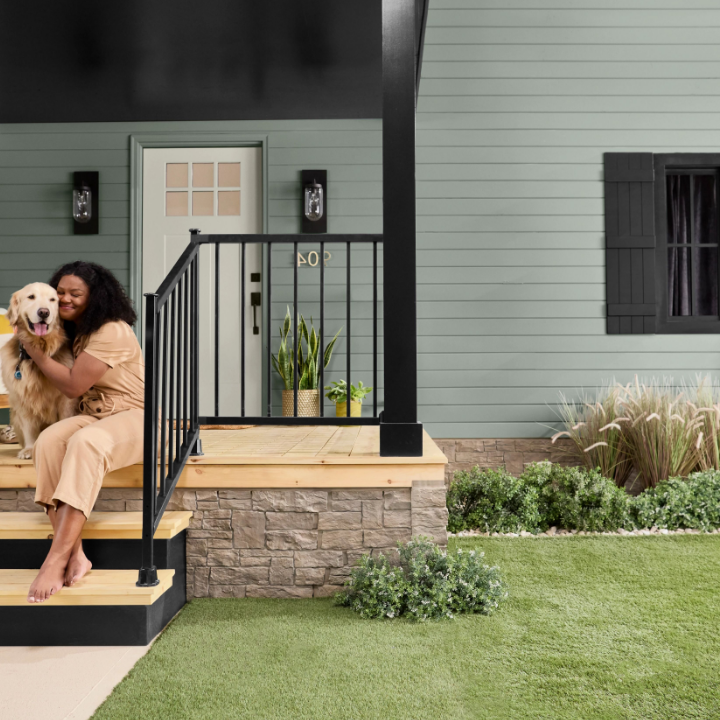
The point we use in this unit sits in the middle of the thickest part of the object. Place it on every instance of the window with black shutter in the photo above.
(662, 229)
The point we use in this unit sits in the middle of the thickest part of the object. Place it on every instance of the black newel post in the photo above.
(400, 432)
(148, 571)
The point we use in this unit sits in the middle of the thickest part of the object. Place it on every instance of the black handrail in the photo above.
(172, 317)
(173, 311)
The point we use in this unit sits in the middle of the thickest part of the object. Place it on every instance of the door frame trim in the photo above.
(138, 142)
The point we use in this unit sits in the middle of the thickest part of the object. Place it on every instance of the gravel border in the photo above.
(554, 532)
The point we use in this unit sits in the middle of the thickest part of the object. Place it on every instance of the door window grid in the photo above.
(209, 202)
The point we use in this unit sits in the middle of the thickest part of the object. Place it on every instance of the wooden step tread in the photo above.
(98, 587)
(99, 526)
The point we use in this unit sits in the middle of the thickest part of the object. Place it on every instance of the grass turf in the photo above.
(595, 627)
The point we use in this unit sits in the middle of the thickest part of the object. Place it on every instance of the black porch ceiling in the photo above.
(145, 60)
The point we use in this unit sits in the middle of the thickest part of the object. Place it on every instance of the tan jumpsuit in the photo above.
(73, 456)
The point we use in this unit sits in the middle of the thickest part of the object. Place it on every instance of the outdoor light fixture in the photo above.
(85, 203)
(82, 204)
(314, 201)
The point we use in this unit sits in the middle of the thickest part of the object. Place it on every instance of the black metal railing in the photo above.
(291, 241)
(172, 429)
(172, 363)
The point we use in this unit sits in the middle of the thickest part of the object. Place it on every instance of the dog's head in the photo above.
(34, 309)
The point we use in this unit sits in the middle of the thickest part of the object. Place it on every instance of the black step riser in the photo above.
(103, 554)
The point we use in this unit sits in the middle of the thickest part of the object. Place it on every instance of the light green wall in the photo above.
(517, 105)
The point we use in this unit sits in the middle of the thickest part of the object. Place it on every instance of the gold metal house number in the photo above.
(312, 259)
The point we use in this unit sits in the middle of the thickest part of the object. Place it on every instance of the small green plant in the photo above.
(338, 391)
(676, 503)
(308, 364)
(577, 498)
(492, 501)
(425, 583)
(543, 496)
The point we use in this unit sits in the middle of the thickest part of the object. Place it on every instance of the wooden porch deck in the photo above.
(274, 456)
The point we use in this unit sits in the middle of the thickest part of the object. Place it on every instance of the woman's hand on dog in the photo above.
(71, 382)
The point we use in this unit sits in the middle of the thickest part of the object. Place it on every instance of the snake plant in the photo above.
(308, 365)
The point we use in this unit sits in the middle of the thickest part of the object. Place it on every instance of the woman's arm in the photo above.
(71, 382)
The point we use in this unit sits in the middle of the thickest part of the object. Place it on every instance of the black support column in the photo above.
(400, 432)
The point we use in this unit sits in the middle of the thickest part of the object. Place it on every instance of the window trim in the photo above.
(688, 324)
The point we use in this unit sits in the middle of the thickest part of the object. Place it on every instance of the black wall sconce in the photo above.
(85, 203)
(314, 201)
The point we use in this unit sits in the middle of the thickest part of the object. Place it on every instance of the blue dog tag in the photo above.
(18, 375)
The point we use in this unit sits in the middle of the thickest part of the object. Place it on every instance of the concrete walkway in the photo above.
(60, 683)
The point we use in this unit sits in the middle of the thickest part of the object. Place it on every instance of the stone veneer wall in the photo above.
(513, 454)
(283, 543)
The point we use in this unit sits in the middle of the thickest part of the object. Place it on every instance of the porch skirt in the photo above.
(73, 456)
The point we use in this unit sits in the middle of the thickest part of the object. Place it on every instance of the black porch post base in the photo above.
(197, 449)
(401, 439)
(147, 577)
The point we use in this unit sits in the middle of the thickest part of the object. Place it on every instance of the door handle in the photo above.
(255, 302)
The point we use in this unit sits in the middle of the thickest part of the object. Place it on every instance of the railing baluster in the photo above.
(186, 347)
(163, 403)
(348, 401)
(321, 351)
(242, 331)
(178, 369)
(269, 332)
(171, 415)
(375, 286)
(295, 331)
(217, 329)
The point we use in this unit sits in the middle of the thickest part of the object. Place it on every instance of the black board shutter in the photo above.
(630, 243)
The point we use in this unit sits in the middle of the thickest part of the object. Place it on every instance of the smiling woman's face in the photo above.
(74, 296)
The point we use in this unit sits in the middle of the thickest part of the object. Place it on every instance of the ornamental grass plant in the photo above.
(650, 427)
(595, 428)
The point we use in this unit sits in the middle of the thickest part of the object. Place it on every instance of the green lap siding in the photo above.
(518, 102)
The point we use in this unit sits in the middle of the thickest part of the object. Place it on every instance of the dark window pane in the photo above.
(679, 281)
(705, 209)
(705, 280)
(678, 208)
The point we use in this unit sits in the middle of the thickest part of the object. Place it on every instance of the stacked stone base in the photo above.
(512, 454)
(298, 543)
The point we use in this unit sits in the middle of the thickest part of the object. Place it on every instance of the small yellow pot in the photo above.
(355, 409)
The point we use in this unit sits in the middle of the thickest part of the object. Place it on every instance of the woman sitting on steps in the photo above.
(73, 456)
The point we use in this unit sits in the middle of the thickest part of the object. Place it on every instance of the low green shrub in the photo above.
(492, 501)
(425, 583)
(676, 503)
(577, 498)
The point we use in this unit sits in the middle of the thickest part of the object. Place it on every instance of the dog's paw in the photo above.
(25, 454)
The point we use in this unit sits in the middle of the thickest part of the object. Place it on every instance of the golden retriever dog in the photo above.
(35, 403)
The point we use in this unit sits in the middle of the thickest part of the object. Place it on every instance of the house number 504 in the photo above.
(312, 258)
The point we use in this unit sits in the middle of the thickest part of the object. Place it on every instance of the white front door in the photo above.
(219, 191)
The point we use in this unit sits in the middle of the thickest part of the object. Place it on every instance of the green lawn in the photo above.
(595, 627)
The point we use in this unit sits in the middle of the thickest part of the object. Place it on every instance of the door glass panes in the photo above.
(692, 247)
(209, 201)
(203, 175)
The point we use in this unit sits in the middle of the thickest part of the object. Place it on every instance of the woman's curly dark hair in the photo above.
(108, 300)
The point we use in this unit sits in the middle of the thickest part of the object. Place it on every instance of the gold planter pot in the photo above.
(355, 409)
(308, 403)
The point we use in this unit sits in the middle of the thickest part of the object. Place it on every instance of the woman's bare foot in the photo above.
(78, 566)
(48, 581)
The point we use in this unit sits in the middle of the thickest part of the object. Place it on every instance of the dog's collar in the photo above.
(23, 356)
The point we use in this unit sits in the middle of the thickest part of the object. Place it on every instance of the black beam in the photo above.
(400, 432)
